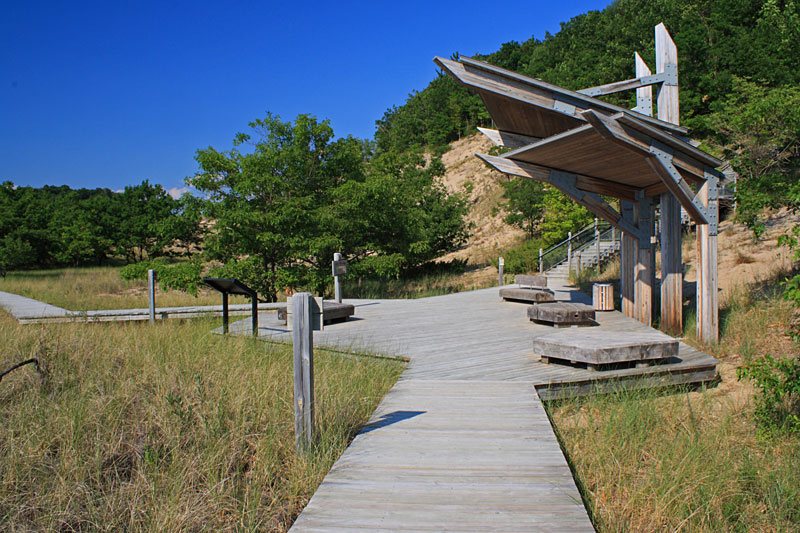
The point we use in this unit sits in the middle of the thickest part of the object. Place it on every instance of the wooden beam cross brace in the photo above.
(668, 77)
(661, 163)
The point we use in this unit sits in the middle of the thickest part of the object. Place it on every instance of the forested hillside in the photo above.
(739, 68)
(718, 41)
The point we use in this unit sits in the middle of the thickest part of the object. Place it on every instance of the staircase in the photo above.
(589, 247)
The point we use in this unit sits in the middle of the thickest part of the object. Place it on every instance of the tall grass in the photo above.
(165, 427)
(691, 461)
(687, 461)
(93, 288)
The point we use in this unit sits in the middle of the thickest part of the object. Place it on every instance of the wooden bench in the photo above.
(531, 289)
(332, 312)
(562, 314)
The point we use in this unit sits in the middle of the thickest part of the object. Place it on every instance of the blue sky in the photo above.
(106, 94)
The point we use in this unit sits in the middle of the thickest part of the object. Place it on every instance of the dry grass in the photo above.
(691, 461)
(93, 288)
(166, 427)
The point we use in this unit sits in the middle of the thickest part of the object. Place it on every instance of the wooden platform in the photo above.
(599, 349)
(462, 441)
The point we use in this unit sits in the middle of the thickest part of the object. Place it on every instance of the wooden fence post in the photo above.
(303, 341)
(151, 294)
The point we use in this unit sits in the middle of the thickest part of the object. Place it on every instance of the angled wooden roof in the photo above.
(529, 106)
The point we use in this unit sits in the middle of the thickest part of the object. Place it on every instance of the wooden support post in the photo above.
(628, 260)
(500, 263)
(707, 305)
(671, 260)
(303, 341)
(645, 263)
(225, 313)
(151, 294)
(671, 266)
(254, 311)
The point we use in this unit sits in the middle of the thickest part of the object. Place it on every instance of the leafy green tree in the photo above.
(151, 221)
(267, 202)
(525, 204)
(295, 196)
(14, 253)
(760, 130)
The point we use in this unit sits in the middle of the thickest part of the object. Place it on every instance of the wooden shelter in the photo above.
(592, 150)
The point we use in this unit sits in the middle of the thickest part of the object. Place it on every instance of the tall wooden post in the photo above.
(303, 340)
(151, 294)
(671, 261)
(645, 263)
(707, 306)
(628, 259)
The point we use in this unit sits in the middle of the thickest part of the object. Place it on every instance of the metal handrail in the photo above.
(558, 254)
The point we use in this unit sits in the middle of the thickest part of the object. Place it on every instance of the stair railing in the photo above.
(593, 235)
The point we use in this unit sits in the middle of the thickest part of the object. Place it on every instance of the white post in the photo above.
(569, 254)
(151, 293)
(500, 263)
(541, 267)
(337, 288)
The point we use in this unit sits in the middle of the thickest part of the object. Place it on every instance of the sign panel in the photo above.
(340, 267)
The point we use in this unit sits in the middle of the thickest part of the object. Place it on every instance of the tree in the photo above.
(759, 129)
(266, 203)
(524, 204)
(151, 221)
(296, 196)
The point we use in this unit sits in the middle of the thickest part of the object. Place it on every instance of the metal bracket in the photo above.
(644, 106)
(644, 223)
(564, 107)
(664, 153)
(712, 214)
(670, 74)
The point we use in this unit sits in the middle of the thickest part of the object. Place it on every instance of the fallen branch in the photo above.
(23, 363)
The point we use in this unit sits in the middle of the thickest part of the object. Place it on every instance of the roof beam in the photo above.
(486, 77)
(507, 139)
(541, 173)
(627, 85)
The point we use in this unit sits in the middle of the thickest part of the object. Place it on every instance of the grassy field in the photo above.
(692, 461)
(94, 288)
(165, 428)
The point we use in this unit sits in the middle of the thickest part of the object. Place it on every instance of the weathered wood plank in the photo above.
(527, 295)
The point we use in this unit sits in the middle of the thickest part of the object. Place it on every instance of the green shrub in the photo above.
(778, 399)
(139, 270)
(185, 276)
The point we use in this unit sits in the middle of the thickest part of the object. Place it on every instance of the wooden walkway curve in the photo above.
(462, 441)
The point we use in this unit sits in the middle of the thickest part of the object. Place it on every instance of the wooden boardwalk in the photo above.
(462, 441)
(30, 311)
